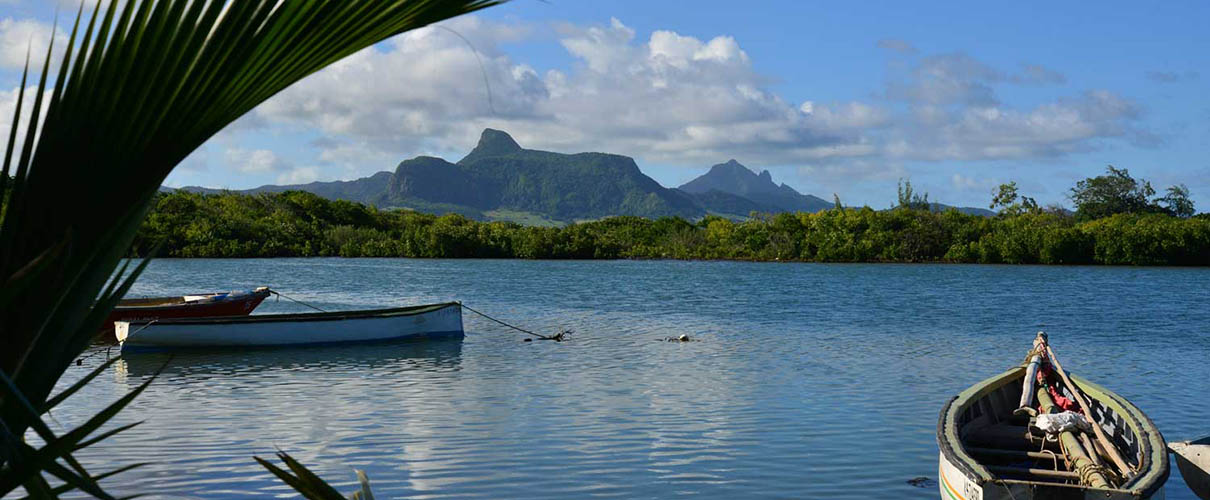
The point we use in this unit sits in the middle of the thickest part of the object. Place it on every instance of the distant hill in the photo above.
(941, 207)
(501, 175)
(727, 204)
(736, 179)
(366, 190)
(500, 180)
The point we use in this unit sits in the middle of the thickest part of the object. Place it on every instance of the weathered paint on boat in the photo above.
(416, 322)
(962, 477)
(1193, 459)
(200, 305)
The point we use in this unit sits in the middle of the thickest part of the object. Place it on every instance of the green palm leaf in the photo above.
(141, 85)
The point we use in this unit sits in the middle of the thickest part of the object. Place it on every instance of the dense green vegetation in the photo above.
(303, 224)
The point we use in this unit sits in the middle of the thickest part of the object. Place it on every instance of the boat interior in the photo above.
(1013, 451)
(163, 301)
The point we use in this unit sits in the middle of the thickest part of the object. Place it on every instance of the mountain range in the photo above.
(499, 179)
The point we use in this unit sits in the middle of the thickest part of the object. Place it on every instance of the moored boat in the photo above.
(1193, 460)
(184, 306)
(1079, 441)
(277, 330)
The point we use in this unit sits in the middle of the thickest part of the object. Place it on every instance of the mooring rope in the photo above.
(279, 294)
(558, 337)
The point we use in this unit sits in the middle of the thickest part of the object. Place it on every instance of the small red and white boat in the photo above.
(203, 305)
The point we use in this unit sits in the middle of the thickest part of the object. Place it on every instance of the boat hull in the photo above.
(955, 485)
(1193, 460)
(177, 307)
(278, 330)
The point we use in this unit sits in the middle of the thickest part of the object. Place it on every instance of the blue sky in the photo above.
(842, 98)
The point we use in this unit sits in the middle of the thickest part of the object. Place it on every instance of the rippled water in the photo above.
(810, 381)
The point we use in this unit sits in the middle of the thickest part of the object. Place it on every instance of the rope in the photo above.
(1087, 471)
(1053, 456)
(144, 327)
(558, 337)
(279, 294)
(1037, 351)
(486, 84)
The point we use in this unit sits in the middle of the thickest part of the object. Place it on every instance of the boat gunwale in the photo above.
(293, 317)
(179, 301)
(1145, 484)
(1148, 435)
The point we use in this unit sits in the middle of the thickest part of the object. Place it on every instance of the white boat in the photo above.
(416, 322)
(1193, 459)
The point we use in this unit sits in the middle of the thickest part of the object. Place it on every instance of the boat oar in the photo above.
(1125, 469)
(1026, 407)
(1089, 471)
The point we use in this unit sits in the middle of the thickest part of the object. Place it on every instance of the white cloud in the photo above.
(255, 161)
(973, 183)
(19, 37)
(672, 98)
(299, 175)
(8, 105)
(676, 100)
(989, 132)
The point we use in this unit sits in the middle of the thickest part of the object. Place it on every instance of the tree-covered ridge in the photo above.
(500, 177)
(734, 178)
(499, 174)
(303, 225)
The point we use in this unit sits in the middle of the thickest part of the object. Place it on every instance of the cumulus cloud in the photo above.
(8, 105)
(678, 100)
(670, 98)
(300, 175)
(19, 37)
(950, 110)
(1034, 73)
(255, 161)
(1065, 126)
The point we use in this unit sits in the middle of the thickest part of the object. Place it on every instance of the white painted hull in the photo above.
(1193, 458)
(422, 322)
(955, 485)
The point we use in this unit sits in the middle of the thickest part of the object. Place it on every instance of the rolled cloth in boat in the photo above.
(1054, 423)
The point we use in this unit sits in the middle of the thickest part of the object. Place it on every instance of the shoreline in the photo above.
(299, 224)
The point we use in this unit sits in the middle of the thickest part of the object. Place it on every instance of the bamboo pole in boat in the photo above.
(1093, 451)
(1079, 459)
(1047, 473)
(1075, 391)
(988, 452)
(1026, 406)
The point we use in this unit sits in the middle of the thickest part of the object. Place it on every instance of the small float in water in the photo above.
(199, 305)
(431, 321)
(1036, 431)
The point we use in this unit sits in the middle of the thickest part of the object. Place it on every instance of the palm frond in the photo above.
(310, 485)
(140, 86)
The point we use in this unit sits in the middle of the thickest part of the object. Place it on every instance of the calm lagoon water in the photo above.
(810, 380)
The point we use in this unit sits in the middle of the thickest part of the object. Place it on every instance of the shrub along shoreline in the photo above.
(299, 224)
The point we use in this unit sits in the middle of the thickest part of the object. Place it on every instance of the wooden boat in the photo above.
(185, 306)
(276, 330)
(991, 448)
(1193, 459)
